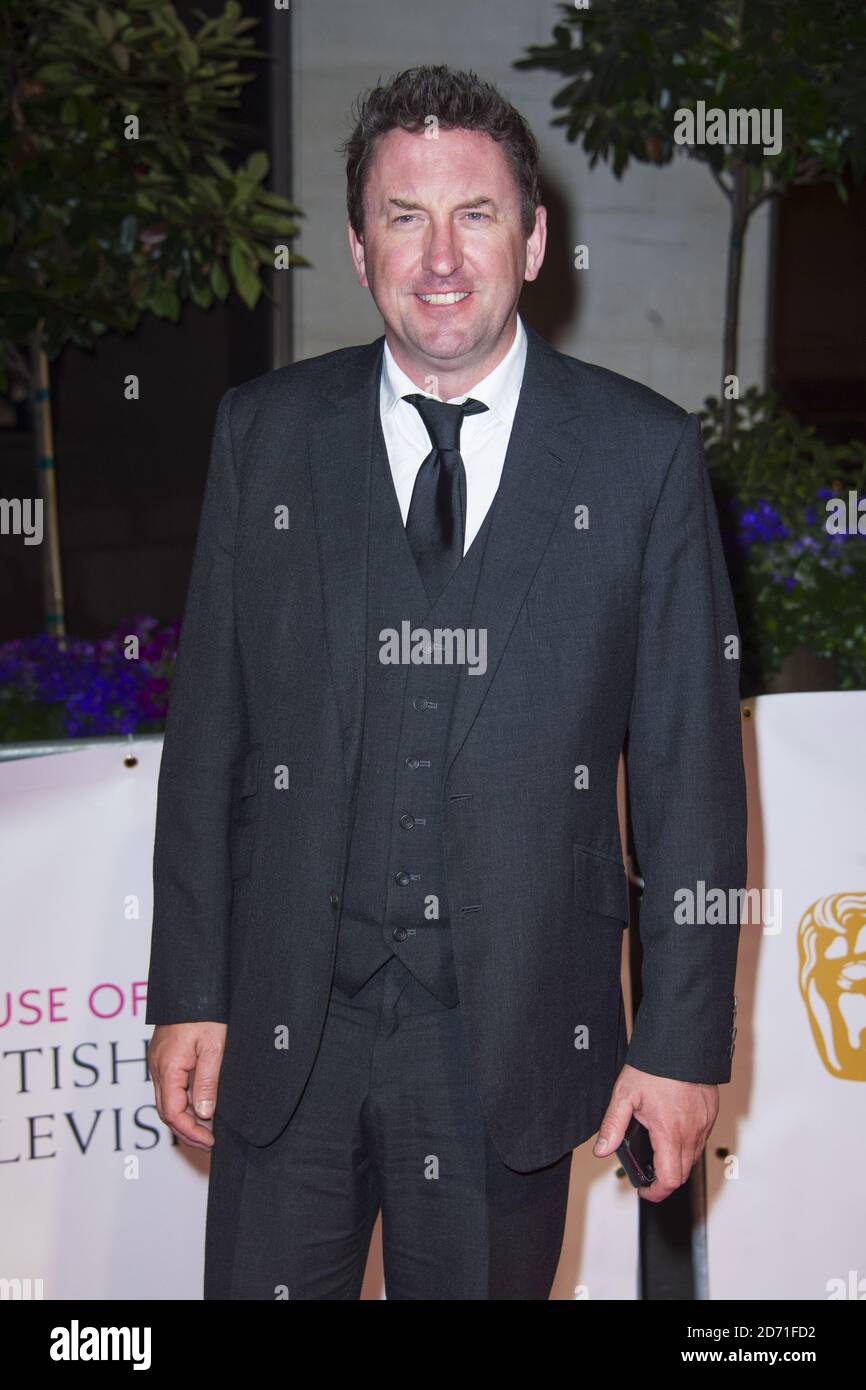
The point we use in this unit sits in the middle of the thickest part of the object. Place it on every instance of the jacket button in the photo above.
(412, 762)
(334, 898)
(400, 933)
(407, 822)
(402, 878)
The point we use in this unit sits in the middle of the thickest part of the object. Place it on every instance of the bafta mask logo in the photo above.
(832, 961)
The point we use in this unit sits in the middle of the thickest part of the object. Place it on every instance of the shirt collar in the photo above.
(499, 390)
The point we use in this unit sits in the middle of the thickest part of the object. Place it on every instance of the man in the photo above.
(440, 582)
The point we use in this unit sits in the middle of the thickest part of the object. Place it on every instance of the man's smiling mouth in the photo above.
(453, 297)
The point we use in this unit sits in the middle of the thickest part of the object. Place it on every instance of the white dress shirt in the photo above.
(483, 438)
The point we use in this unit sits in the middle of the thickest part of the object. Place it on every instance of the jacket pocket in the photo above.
(248, 782)
(600, 884)
(551, 611)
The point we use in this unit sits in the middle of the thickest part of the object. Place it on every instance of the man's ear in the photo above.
(356, 245)
(536, 244)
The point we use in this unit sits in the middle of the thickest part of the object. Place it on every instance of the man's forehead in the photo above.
(420, 157)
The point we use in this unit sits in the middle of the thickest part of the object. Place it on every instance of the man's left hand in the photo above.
(679, 1116)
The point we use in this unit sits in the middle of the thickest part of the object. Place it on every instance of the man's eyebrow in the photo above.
(408, 205)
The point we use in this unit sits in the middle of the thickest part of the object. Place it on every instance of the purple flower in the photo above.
(760, 525)
(97, 689)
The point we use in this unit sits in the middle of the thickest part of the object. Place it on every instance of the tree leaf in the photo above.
(201, 296)
(164, 301)
(106, 25)
(244, 274)
(257, 166)
(55, 74)
(219, 166)
(219, 281)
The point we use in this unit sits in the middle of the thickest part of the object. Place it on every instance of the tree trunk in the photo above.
(739, 218)
(52, 577)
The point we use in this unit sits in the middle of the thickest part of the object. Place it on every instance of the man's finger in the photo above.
(611, 1131)
(206, 1080)
(189, 1143)
(670, 1172)
(177, 1114)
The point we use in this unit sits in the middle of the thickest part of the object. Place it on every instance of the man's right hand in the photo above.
(185, 1060)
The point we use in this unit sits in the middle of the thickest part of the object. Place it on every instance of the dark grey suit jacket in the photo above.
(598, 635)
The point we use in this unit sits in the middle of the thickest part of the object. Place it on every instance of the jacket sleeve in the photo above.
(204, 739)
(686, 782)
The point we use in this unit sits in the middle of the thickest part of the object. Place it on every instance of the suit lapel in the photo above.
(340, 453)
(540, 462)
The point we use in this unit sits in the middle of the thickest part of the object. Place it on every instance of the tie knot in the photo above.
(442, 420)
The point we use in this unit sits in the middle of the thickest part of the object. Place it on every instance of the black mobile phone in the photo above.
(635, 1153)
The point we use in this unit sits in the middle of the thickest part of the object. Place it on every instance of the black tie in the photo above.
(436, 523)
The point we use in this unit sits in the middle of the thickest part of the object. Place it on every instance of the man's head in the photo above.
(442, 193)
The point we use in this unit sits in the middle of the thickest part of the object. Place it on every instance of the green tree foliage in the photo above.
(631, 65)
(96, 228)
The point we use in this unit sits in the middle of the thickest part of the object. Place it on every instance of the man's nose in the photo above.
(442, 253)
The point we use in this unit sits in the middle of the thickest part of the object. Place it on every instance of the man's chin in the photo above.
(443, 343)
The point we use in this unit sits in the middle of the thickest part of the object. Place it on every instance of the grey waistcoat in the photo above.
(395, 899)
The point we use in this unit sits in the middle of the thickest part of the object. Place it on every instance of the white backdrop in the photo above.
(99, 1202)
(787, 1209)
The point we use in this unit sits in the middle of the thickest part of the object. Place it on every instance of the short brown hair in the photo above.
(459, 101)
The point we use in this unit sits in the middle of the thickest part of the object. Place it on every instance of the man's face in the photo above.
(442, 216)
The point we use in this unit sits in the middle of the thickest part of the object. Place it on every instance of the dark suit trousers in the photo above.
(390, 1118)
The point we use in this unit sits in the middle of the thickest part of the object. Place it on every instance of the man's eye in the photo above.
(411, 216)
